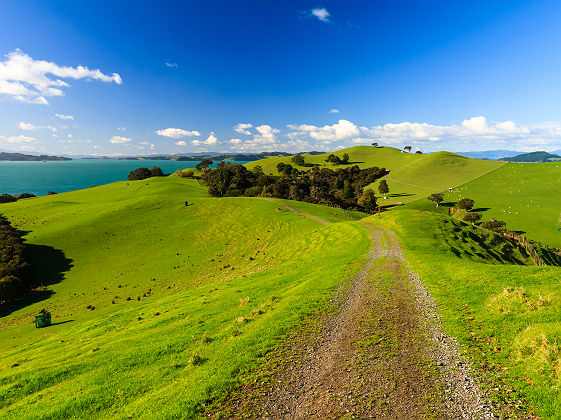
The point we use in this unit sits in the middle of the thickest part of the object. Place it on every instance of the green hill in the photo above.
(158, 305)
(533, 157)
(425, 173)
(526, 196)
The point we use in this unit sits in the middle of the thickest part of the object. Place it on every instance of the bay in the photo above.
(60, 176)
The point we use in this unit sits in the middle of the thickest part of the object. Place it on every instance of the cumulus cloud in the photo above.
(171, 64)
(152, 147)
(26, 126)
(265, 139)
(18, 139)
(334, 111)
(328, 133)
(64, 117)
(243, 128)
(319, 13)
(181, 143)
(176, 133)
(211, 139)
(27, 80)
(120, 140)
(235, 141)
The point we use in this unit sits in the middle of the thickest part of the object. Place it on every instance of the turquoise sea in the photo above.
(39, 177)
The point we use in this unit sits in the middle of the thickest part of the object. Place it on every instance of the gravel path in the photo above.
(378, 351)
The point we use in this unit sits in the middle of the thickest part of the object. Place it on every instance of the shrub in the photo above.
(156, 171)
(185, 174)
(493, 224)
(472, 217)
(298, 160)
(139, 173)
(13, 266)
(7, 198)
(24, 195)
(465, 204)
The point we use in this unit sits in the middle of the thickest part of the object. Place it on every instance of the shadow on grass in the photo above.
(48, 266)
(400, 195)
(62, 322)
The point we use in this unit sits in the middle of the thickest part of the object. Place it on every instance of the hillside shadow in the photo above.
(48, 266)
(400, 195)
(480, 209)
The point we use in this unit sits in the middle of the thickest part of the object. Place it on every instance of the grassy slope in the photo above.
(439, 170)
(507, 316)
(135, 357)
(525, 195)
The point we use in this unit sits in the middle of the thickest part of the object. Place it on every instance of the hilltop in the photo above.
(533, 157)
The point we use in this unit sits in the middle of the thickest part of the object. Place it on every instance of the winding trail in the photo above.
(378, 351)
(411, 185)
(280, 203)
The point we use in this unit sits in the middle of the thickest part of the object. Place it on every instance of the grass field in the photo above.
(211, 286)
(435, 172)
(525, 195)
(506, 315)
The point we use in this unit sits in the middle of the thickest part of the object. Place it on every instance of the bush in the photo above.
(298, 160)
(465, 204)
(7, 198)
(51, 193)
(156, 171)
(139, 173)
(472, 217)
(493, 224)
(13, 266)
(185, 174)
(24, 195)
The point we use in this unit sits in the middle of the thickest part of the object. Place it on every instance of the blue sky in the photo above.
(250, 76)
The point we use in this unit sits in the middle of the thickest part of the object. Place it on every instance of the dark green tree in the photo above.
(383, 188)
(437, 198)
(465, 204)
(472, 217)
(408, 148)
(494, 224)
(298, 160)
(139, 173)
(157, 171)
(333, 159)
(345, 159)
(204, 165)
(367, 200)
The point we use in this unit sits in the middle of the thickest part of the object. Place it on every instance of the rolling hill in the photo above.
(533, 157)
(412, 176)
(158, 305)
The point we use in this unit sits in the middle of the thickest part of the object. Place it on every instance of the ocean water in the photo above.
(39, 177)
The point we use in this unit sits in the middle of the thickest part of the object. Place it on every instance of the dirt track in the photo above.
(377, 352)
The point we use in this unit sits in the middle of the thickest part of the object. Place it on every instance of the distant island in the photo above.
(533, 157)
(20, 157)
(235, 157)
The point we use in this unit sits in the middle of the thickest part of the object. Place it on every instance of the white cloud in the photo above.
(243, 128)
(119, 140)
(25, 79)
(211, 139)
(121, 128)
(196, 142)
(18, 139)
(176, 133)
(341, 130)
(26, 126)
(96, 147)
(171, 64)
(64, 117)
(143, 142)
(152, 147)
(334, 111)
(235, 141)
(181, 143)
(321, 13)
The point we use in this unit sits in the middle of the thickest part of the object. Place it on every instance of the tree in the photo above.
(345, 159)
(408, 148)
(472, 217)
(298, 160)
(418, 152)
(284, 168)
(334, 159)
(204, 165)
(375, 144)
(157, 171)
(7, 198)
(139, 173)
(493, 224)
(367, 200)
(437, 198)
(383, 188)
(465, 204)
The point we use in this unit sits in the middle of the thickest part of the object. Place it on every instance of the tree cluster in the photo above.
(143, 173)
(7, 198)
(336, 160)
(14, 269)
(342, 187)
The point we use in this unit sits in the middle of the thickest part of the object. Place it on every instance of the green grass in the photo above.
(525, 195)
(435, 171)
(212, 287)
(507, 316)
